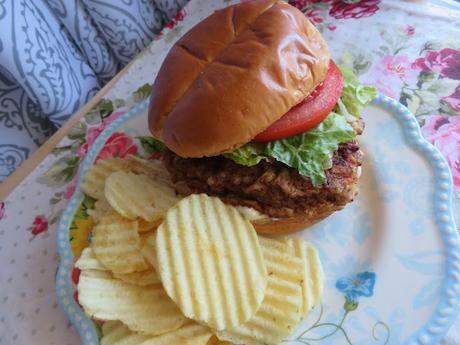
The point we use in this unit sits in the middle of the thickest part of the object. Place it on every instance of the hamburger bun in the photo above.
(284, 226)
(233, 75)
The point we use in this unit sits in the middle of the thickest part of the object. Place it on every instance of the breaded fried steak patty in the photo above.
(271, 188)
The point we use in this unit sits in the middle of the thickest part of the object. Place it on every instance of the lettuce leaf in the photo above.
(355, 97)
(311, 152)
(150, 144)
(248, 155)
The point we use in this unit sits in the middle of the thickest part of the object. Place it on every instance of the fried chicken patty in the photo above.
(272, 188)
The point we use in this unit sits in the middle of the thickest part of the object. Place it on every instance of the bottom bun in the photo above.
(282, 226)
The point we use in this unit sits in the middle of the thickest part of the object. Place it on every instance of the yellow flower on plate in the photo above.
(78, 235)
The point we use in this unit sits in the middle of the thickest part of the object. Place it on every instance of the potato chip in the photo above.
(145, 236)
(135, 196)
(88, 261)
(144, 226)
(142, 278)
(280, 311)
(94, 181)
(191, 333)
(154, 168)
(116, 333)
(148, 249)
(116, 244)
(251, 214)
(145, 309)
(111, 326)
(313, 276)
(99, 274)
(210, 262)
(215, 341)
(101, 208)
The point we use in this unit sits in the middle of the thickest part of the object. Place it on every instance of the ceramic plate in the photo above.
(391, 258)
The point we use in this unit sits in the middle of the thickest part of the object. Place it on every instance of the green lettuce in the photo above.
(311, 152)
(355, 97)
(151, 145)
(248, 155)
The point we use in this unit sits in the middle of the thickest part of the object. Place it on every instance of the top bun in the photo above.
(233, 75)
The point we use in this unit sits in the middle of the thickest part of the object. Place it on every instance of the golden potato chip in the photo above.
(210, 262)
(154, 168)
(145, 309)
(148, 249)
(142, 278)
(88, 261)
(110, 326)
(313, 276)
(94, 181)
(215, 341)
(116, 244)
(135, 196)
(280, 311)
(191, 333)
(99, 274)
(145, 236)
(251, 214)
(101, 208)
(116, 333)
(145, 226)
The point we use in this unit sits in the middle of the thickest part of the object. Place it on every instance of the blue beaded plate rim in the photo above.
(430, 333)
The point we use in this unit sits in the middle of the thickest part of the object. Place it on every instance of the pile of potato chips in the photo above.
(167, 270)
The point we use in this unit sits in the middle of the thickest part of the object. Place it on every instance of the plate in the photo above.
(391, 258)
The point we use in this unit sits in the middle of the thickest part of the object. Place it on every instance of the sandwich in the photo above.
(251, 108)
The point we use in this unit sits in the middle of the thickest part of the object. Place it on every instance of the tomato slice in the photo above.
(310, 111)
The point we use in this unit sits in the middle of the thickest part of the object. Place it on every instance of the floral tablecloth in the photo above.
(409, 50)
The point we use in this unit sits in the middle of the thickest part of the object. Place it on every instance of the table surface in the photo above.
(408, 61)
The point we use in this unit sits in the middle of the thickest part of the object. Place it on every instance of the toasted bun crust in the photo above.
(283, 226)
(233, 75)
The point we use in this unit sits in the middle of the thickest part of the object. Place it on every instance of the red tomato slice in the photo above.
(309, 112)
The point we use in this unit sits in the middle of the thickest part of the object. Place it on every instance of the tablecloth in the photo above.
(410, 50)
